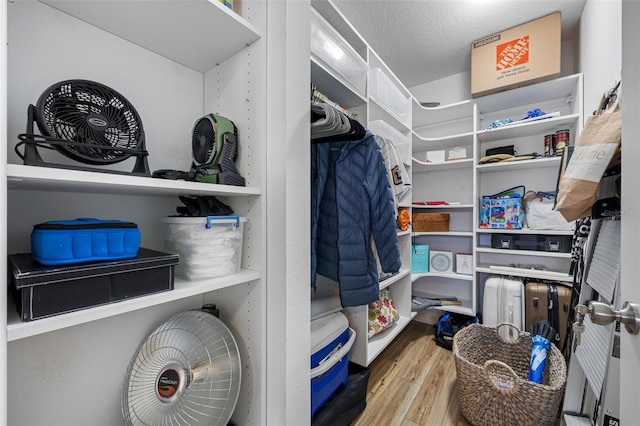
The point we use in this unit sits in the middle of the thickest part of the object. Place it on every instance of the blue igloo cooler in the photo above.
(331, 340)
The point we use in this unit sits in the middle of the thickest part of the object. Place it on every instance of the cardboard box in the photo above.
(523, 55)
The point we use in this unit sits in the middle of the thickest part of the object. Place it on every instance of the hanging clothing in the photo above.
(352, 202)
(398, 175)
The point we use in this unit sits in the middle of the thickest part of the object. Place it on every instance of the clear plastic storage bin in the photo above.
(387, 94)
(400, 141)
(334, 52)
(209, 246)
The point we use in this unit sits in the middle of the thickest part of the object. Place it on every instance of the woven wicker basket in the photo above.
(430, 222)
(492, 373)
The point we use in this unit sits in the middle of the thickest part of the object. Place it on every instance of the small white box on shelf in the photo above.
(464, 263)
(435, 156)
(457, 153)
(441, 261)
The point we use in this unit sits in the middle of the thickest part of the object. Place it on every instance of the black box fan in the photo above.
(214, 149)
(87, 122)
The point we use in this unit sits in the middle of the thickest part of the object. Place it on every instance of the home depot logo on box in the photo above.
(527, 54)
(513, 53)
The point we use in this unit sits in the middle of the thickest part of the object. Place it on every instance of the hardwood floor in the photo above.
(412, 383)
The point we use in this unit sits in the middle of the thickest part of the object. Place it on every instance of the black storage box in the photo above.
(348, 402)
(42, 291)
(551, 243)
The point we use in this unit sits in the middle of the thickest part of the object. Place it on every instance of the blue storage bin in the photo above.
(331, 340)
(64, 242)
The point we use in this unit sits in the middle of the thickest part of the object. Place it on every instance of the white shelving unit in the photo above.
(563, 95)
(465, 124)
(369, 108)
(443, 128)
(162, 56)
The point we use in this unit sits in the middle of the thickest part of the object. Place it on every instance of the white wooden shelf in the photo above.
(539, 163)
(521, 272)
(394, 278)
(563, 87)
(462, 309)
(55, 179)
(380, 341)
(422, 167)
(17, 329)
(518, 130)
(522, 231)
(426, 116)
(445, 234)
(167, 26)
(525, 253)
(444, 207)
(452, 276)
(423, 143)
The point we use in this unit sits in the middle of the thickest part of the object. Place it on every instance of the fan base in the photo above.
(209, 179)
(141, 167)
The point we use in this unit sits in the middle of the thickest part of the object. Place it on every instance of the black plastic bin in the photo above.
(348, 401)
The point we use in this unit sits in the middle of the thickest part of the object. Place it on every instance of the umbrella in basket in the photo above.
(542, 334)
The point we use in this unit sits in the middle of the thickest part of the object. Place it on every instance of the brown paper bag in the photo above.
(595, 149)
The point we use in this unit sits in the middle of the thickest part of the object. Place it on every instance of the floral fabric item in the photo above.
(382, 313)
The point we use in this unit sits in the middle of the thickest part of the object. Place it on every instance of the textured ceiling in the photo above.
(425, 40)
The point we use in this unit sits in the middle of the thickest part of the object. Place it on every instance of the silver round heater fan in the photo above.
(186, 372)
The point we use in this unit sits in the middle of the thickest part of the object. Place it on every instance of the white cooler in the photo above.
(331, 341)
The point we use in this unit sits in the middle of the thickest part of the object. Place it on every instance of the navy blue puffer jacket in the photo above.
(352, 203)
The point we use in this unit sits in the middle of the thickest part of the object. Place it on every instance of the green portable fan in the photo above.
(214, 146)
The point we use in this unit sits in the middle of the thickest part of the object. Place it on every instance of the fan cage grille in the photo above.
(204, 141)
(203, 350)
(100, 124)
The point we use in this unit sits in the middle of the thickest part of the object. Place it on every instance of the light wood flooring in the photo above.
(412, 383)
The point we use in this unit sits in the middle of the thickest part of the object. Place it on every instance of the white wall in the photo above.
(630, 352)
(600, 56)
(3, 213)
(289, 240)
(446, 90)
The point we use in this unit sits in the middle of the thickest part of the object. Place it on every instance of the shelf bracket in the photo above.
(569, 99)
